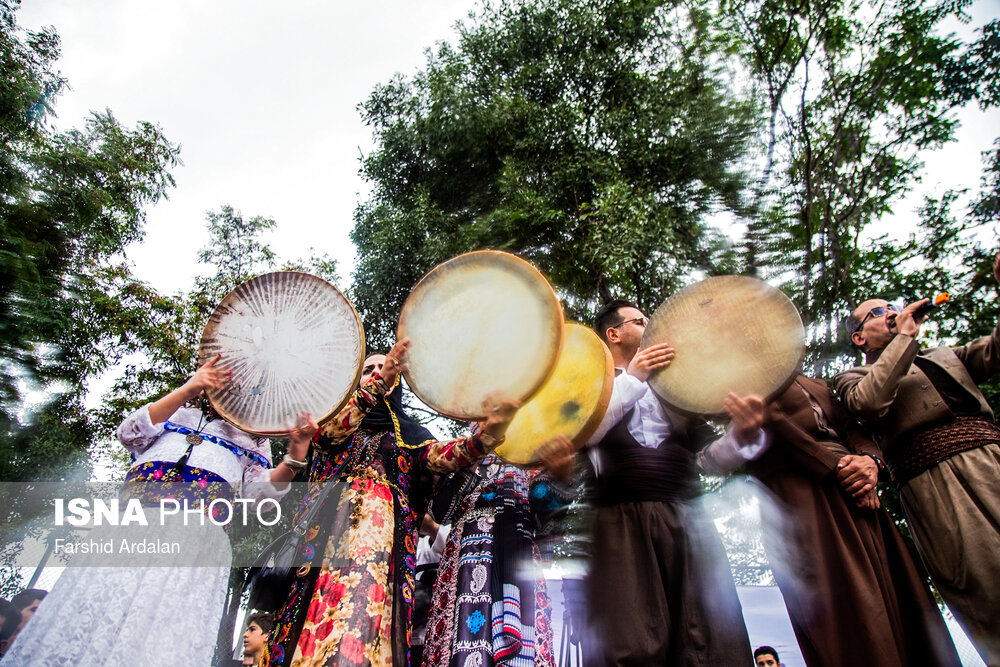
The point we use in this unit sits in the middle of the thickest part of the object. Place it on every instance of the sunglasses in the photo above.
(877, 311)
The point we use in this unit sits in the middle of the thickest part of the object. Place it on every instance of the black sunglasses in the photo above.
(877, 311)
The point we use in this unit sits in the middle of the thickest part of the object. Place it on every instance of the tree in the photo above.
(593, 140)
(69, 203)
(857, 91)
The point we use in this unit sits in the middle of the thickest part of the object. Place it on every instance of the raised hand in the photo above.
(747, 415)
(300, 437)
(395, 362)
(500, 411)
(556, 455)
(651, 359)
(905, 322)
(209, 376)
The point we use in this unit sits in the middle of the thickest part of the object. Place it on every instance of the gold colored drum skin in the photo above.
(572, 401)
(482, 322)
(731, 334)
(294, 343)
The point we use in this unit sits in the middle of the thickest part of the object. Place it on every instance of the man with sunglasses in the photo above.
(660, 590)
(942, 448)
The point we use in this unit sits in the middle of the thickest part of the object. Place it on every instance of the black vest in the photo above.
(633, 473)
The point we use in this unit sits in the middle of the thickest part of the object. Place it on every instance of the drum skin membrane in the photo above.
(482, 322)
(731, 334)
(294, 343)
(572, 401)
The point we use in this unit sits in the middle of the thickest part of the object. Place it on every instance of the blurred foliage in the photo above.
(592, 139)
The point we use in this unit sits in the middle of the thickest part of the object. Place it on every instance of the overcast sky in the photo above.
(263, 96)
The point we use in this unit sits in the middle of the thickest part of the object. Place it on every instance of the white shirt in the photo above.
(431, 552)
(151, 442)
(650, 426)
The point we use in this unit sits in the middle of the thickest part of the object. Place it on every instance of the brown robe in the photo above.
(952, 508)
(853, 592)
(660, 590)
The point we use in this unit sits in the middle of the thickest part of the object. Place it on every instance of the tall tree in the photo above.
(69, 203)
(857, 91)
(593, 139)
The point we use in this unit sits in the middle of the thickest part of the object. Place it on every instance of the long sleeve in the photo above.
(257, 484)
(870, 395)
(815, 457)
(349, 418)
(726, 454)
(138, 432)
(625, 393)
(982, 356)
(449, 455)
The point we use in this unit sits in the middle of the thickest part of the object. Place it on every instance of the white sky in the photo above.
(263, 99)
(261, 96)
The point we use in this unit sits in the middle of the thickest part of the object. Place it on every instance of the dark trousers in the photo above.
(660, 589)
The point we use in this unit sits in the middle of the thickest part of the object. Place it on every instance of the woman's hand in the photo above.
(395, 363)
(209, 376)
(500, 411)
(556, 455)
(300, 437)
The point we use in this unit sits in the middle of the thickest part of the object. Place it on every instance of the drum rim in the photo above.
(771, 395)
(357, 374)
(590, 426)
(560, 320)
(605, 401)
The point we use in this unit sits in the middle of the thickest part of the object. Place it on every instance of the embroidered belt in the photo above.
(155, 480)
(222, 442)
(924, 449)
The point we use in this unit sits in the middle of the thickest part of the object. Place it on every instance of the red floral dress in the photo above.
(354, 608)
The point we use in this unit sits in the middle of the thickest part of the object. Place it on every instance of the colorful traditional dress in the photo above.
(148, 613)
(354, 606)
(490, 604)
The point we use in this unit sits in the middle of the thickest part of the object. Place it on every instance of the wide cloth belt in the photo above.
(924, 449)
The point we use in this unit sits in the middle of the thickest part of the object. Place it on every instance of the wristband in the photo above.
(293, 464)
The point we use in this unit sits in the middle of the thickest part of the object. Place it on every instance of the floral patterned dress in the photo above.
(354, 606)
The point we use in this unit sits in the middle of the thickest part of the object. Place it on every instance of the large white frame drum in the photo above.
(731, 334)
(293, 342)
(482, 322)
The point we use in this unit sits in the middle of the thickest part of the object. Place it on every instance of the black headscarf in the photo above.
(388, 415)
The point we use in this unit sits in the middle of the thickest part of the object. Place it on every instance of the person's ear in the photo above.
(858, 338)
(613, 335)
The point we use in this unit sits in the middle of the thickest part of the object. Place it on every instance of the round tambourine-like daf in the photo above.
(731, 334)
(572, 401)
(293, 342)
(483, 322)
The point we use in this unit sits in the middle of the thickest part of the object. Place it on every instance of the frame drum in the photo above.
(293, 342)
(572, 401)
(482, 322)
(731, 334)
